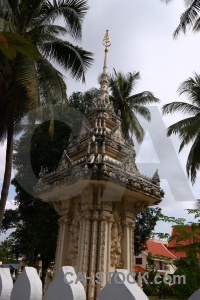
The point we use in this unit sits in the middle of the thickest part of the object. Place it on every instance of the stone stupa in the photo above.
(98, 191)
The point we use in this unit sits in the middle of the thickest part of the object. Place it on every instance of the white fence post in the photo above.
(28, 286)
(122, 286)
(59, 289)
(6, 284)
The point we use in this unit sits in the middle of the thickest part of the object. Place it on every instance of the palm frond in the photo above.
(20, 92)
(28, 11)
(115, 87)
(6, 10)
(196, 26)
(191, 87)
(51, 82)
(134, 126)
(177, 128)
(193, 161)
(187, 2)
(46, 32)
(26, 76)
(122, 84)
(189, 133)
(73, 58)
(143, 98)
(5, 72)
(7, 26)
(15, 6)
(8, 107)
(115, 103)
(186, 129)
(73, 12)
(180, 107)
(188, 18)
(143, 111)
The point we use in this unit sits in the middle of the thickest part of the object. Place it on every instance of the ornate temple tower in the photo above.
(98, 191)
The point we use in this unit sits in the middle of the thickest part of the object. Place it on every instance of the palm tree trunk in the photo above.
(7, 173)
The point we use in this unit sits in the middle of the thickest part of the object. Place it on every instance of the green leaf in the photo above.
(18, 43)
(8, 52)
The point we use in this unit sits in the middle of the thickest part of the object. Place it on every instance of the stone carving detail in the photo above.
(65, 162)
(115, 252)
(74, 239)
(156, 178)
(43, 173)
(101, 250)
(86, 248)
(139, 206)
(93, 254)
(129, 164)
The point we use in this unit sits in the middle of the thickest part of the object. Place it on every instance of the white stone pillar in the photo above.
(62, 243)
(93, 256)
(104, 247)
(84, 252)
(127, 244)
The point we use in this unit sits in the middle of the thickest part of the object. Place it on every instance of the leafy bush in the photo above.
(148, 290)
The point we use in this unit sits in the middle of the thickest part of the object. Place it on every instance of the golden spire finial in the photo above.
(106, 41)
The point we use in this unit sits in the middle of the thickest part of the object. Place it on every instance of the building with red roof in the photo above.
(159, 250)
(156, 256)
(183, 236)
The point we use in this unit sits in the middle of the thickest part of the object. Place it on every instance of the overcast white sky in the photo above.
(141, 36)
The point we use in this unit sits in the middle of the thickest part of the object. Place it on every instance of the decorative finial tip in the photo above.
(106, 40)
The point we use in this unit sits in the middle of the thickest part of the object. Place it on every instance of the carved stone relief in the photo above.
(73, 241)
(116, 236)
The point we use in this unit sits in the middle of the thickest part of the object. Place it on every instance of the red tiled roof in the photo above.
(178, 254)
(139, 269)
(174, 243)
(159, 249)
(175, 231)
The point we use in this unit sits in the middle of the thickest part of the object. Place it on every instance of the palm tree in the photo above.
(121, 86)
(189, 18)
(26, 84)
(188, 129)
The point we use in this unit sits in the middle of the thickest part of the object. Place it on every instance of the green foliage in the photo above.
(37, 82)
(191, 270)
(121, 86)
(188, 129)
(189, 18)
(187, 239)
(148, 290)
(6, 252)
(83, 101)
(35, 221)
(14, 43)
(27, 85)
(145, 223)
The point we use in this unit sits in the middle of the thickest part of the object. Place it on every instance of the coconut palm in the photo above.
(188, 129)
(189, 18)
(121, 86)
(26, 84)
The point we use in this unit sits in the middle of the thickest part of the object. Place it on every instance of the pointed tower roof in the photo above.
(100, 152)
